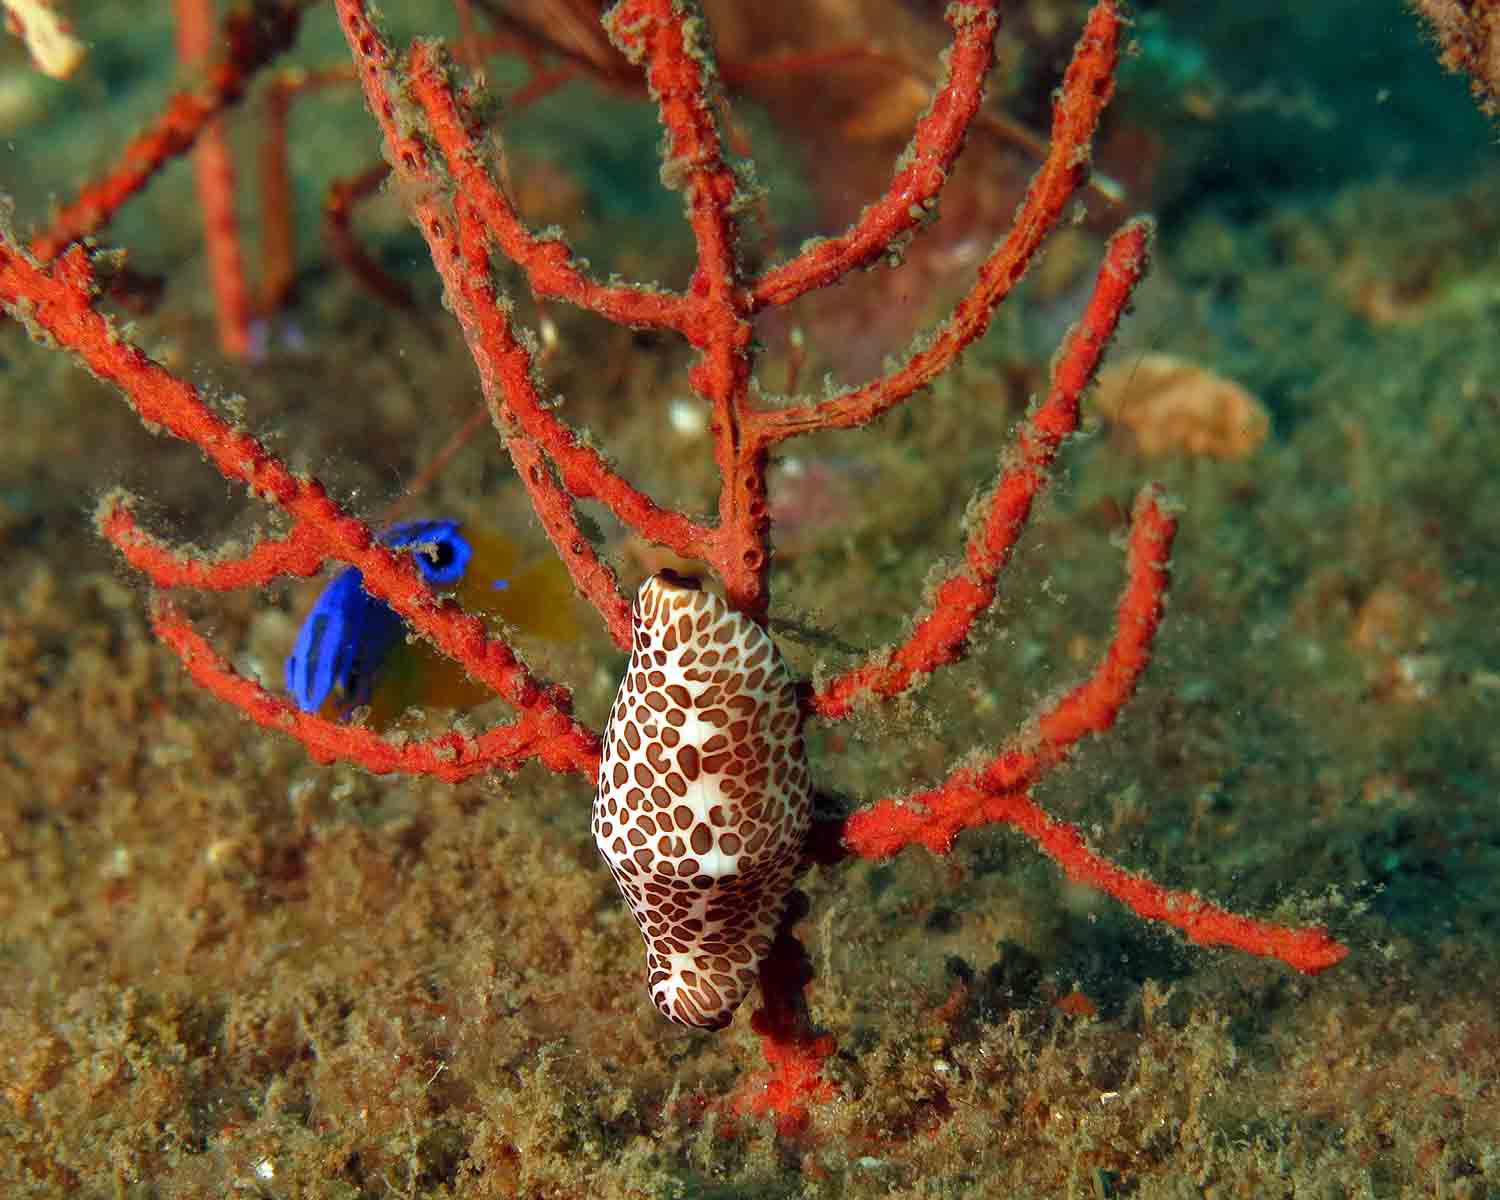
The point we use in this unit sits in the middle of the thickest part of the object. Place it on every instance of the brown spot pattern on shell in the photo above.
(704, 797)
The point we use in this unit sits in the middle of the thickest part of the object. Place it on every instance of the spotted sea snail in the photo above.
(704, 797)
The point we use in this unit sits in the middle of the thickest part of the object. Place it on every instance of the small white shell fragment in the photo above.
(704, 797)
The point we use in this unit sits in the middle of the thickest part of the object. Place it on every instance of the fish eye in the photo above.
(437, 547)
(440, 556)
(443, 559)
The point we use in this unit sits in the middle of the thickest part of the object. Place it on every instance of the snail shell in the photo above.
(704, 797)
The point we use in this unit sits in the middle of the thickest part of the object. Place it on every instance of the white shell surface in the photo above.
(704, 797)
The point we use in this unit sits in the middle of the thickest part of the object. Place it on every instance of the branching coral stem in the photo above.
(213, 166)
(58, 302)
(938, 637)
(252, 40)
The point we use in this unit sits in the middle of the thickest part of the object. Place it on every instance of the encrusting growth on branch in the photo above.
(938, 637)
(688, 713)
(251, 40)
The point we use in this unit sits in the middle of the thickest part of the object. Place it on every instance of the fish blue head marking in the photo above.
(441, 552)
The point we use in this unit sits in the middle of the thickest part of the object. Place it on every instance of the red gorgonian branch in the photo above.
(435, 149)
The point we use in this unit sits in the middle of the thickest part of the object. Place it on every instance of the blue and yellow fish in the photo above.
(353, 650)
